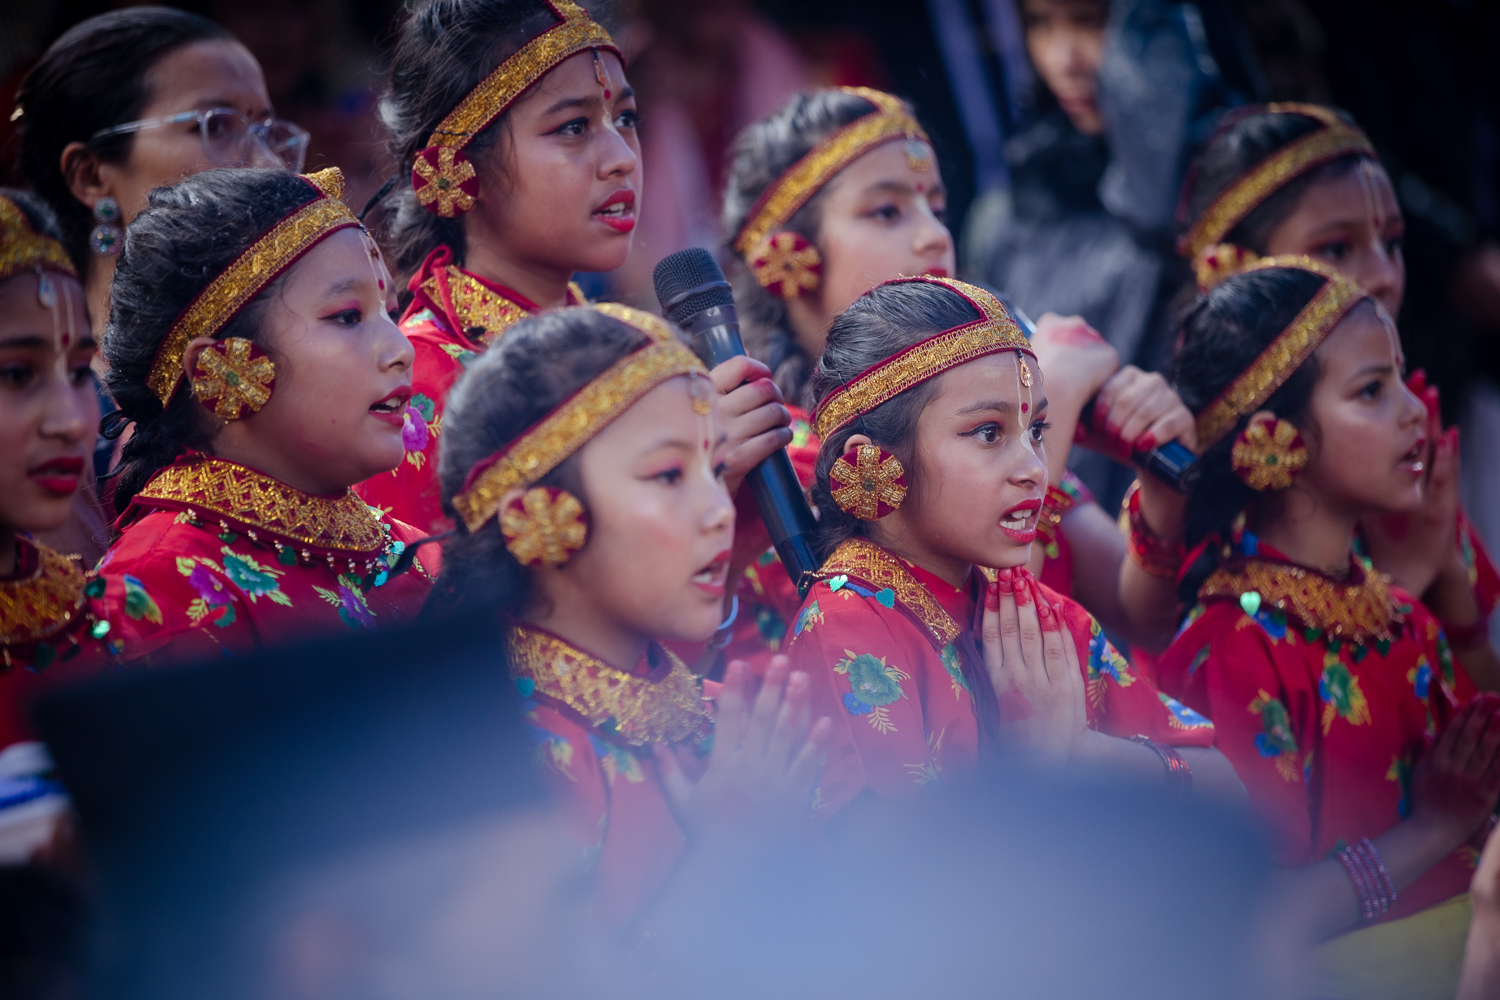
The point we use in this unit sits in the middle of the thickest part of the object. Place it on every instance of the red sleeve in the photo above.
(861, 673)
(410, 492)
(1226, 666)
(1482, 575)
(1121, 702)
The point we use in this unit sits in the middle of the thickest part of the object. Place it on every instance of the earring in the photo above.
(1268, 454)
(105, 239)
(788, 265)
(870, 486)
(544, 526)
(231, 375)
(444, 181)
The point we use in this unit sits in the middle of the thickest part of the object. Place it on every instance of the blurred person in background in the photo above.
(120, 104)
(1293, 178)
(1085, 228)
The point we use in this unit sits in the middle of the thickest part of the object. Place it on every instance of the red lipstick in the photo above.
(1019, 522)
(391, 408)
(618, 211)
(59, 477)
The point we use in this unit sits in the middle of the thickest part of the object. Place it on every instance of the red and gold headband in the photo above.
(444, 180)
(547, 443)
(1284, 355)
(1333, 139)
(993, 332)
(890, 120)
(23, 249)
(263, 262)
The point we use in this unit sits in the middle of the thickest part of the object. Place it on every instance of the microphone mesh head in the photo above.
(685, 269)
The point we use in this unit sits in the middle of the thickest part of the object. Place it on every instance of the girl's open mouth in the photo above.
(1019, 523)
(710, 579)
(618, 211)
(392, 408)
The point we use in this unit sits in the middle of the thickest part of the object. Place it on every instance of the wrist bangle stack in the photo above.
(1153, 554)
(1179, 774)
(1470, 636)
(1372, 882)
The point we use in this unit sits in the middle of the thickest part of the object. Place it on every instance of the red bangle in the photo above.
(1179, 774)
(1153, 554)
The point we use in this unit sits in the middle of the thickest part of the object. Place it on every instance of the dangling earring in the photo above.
(231, 375)
(871, 485)
(105, 239)
(544, 526)
(788, 265)
(1268, 454)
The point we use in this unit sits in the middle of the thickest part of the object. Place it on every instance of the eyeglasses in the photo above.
(228, 136)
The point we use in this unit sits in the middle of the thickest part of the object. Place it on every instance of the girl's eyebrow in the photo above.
(1374, 368)
(989, 405)
(28, 340)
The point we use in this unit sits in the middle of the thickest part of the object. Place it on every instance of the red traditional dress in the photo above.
(217, 559)
(886, 644)
(1321, 692)
(595, 726)
(50, 632)
(1057, 553)
(453, 317)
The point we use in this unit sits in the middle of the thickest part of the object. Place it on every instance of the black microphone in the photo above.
(1173, 462)
(693, 294)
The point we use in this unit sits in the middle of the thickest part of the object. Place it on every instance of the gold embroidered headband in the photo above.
(444, 180)
(1334, 139)
(995, 331)
(1284, 355)
(574, 422)
(262, 262)
(778, 203)
(24, 249)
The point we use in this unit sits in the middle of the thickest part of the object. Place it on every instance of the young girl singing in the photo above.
(249, 343)
(584, 465)
(518, 130)
(932, 469)
(1326, 684)
(1302, 179)
(48, 416)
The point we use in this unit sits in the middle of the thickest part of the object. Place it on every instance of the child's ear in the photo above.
(855, 440)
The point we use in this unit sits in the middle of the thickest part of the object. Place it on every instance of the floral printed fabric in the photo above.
(1323, 734)
(176, 589)
(902, 710)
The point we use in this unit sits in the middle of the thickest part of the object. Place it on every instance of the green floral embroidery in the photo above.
(949, 656)
(138, 603)
(462, 355)
(618, 762)
(1400, 772)
(1341, 694)
(253, 579)
(1276, 740)
(874, 686)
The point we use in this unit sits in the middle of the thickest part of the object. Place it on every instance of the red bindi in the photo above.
(1025, 407)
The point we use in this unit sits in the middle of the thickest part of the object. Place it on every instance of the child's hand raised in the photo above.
(1033, 665)
(751, 414)
(1456, 785)
(766, 756)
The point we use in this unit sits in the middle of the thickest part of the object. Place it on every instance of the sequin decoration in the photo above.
(625, 705)
(870, 487)
(569, 426)
(231, 375)
(1360, 611)
(276, 250)
(780, 201)
(43, 603)
(444, 181)
(788, 265)
(862, 560)
(214, 490)
(1268, 454)
(476, 305)
(1285, 354)
(23, 249)
(544, 526)
(1334, 139)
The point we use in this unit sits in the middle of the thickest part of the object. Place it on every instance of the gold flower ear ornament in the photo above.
(544, 526)
(231, 375)
(787, 265)
(872, 485)
(1268, 454)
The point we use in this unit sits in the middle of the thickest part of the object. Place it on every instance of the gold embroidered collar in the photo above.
(1360, 610)
(239, 498)
(480, 311)
(42, 599)
(627, 706)
(862, 560)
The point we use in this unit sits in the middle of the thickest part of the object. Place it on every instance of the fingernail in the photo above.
(1002, 576)
(1145, 442)
(1023, 593)
(992, 598)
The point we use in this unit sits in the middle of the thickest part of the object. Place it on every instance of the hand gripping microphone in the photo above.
(693, 294)
(1173, 462)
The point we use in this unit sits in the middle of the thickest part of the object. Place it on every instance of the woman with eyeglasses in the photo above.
(122, 103)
